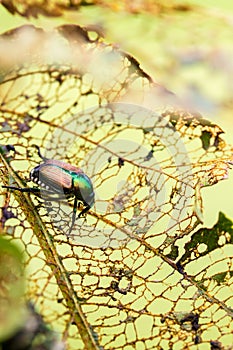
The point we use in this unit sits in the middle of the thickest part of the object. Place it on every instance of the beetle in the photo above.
(61, 178)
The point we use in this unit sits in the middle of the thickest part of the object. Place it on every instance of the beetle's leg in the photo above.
(74, 214)
(85, 210)
(39, 153)
(34, 190)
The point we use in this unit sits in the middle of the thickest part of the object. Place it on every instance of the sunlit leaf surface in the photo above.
(130, 274)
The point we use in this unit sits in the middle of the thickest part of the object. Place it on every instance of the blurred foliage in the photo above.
(32, 333)
(11, 288)
(57, 8)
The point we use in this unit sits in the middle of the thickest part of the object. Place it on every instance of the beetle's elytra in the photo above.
(60, 178)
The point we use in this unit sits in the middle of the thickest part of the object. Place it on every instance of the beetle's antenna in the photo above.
(39, 153)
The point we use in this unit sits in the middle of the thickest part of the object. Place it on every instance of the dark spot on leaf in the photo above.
(174, 253)
(22, 127)
(205, 139)
(40, 98)
(120, 162)
(6, 149)
(10, 148)
(220, 277)
(6, 215)
(149, 155)
(147, 130)
(115, 286)
(193, 319)
(180, 267)
(162, 320)
(215, 345)
(217, 140)
(209, 237)
(197, 339)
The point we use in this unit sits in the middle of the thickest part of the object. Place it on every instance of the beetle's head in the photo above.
(84, 188)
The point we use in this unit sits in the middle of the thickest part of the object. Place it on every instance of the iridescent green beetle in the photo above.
(55, 177)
